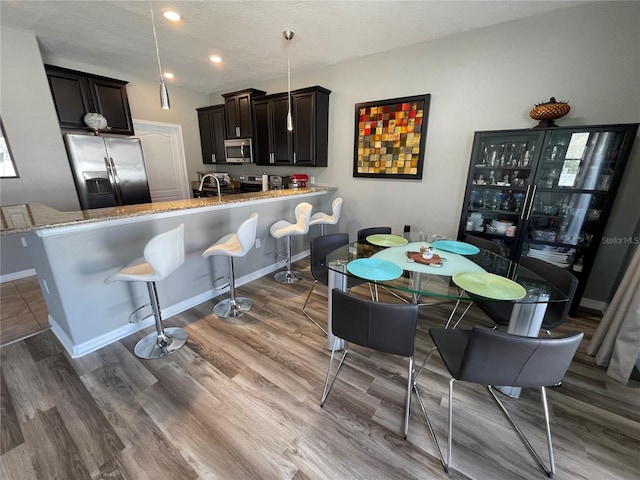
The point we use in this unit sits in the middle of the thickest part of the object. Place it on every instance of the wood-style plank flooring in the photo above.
(241, 401)
(22, 309)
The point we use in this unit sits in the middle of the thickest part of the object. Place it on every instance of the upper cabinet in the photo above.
(211, 121)
(307, 144)
(272, 139)
(77, 93)
(239, 112)
(310, 126)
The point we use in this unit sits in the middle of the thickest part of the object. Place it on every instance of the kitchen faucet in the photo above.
(204, 177)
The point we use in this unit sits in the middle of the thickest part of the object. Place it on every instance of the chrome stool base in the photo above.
(232, 308)
(288, 276)
(159, 346)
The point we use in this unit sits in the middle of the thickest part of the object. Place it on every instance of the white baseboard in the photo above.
(593, 304)
(10, 277)
(83, 348)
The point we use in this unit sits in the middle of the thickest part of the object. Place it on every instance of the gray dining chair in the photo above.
(365, 232)
(556, 313)
(490, 357)
(483, 243)
(384, 327)
(320, 247)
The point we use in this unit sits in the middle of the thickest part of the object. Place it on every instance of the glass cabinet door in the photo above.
(581, 160)
(499, 178)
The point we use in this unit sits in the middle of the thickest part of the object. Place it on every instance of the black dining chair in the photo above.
(384, 327)
(365, 232)
(556, 313)
(490, 357)
(483, 243)
(320, 248)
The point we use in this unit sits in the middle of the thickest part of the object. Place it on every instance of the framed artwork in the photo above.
(391, 137)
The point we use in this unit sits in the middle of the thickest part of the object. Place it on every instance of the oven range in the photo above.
(250, 183)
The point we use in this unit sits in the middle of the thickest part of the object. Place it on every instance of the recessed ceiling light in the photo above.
(215, 59)
(171, 15)
(167, 75)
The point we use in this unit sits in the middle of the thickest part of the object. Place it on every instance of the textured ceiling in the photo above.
(117, 35)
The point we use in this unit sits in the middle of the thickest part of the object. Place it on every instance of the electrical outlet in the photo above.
(313, 180)
(257, 243)
(24, 241)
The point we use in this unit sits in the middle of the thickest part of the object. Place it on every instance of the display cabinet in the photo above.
(546, 193)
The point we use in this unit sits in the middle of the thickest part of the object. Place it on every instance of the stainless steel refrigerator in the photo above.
(108, 171)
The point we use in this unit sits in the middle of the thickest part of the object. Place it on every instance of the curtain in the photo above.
(616, 342)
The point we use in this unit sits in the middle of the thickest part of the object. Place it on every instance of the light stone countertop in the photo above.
(36, 216)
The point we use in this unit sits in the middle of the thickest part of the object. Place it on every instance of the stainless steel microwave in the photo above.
(238, 150)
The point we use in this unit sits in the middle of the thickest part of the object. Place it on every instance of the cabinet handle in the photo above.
(272, 157)
(213, 157)
(237, 131)
(524, 204)
(533, 195)
(294, 158)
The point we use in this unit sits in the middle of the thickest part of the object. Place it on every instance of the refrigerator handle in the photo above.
(116, 182)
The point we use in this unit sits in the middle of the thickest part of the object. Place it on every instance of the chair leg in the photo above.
(431, 430)
(304, 312)
(407, 407)
(164, 341)
(552, 468)
(232, 306)
(325, 392)
(288, 276)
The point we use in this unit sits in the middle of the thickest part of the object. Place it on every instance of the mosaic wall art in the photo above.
(391, 137)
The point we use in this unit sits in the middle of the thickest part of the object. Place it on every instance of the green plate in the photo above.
(384, 240)
(489, 285)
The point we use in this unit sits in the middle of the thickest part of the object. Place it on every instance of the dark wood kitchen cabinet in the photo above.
(310, 108)
(211, 121)
(239, 112)
(273, 140)
(78, 93)
(307, 144)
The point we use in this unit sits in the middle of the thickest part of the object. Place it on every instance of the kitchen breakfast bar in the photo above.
(74, 252)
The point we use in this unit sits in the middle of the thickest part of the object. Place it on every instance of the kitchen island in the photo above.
(73, 252)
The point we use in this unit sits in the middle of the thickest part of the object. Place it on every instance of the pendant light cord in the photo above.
(155, 38)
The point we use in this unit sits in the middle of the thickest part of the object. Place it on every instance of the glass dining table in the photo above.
(416, 270)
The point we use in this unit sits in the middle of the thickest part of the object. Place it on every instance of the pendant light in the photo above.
(288, 35)
(164, 93)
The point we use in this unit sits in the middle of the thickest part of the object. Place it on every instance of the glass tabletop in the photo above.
(404, 268)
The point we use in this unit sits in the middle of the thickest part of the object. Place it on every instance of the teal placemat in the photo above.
(452, 246)
(374, 269)
(489, 285)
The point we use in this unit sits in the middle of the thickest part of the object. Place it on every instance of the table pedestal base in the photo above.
(336, 280)
(526, 320)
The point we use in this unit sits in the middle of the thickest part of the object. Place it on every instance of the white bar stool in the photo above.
(234, 245)
(282, 228)
(323, 219)
(164, 253)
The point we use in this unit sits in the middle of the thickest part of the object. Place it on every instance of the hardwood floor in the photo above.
(241, 401)
(23, 311)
